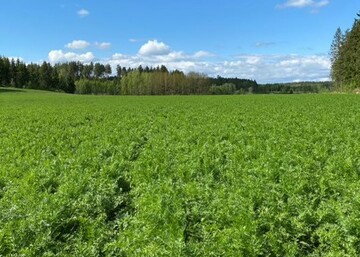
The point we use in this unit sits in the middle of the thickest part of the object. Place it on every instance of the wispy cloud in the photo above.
(103, 45)
(203, 54)
(263, 44)
(323, 3)
(77, 44)
(83, 13)
(304, 3)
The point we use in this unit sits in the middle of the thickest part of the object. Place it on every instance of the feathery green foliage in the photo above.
(184, 176)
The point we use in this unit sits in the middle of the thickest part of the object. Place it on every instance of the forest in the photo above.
(344, 55)
(98, 79)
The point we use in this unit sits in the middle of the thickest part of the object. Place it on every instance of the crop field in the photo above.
(251, 175)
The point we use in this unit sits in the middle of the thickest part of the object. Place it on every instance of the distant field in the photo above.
(254, 175)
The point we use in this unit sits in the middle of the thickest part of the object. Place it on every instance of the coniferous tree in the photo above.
(118, 71)
(336, 44)
(45, 76)
(346, 64)
(22, 74)
(108, 70)
(7, 74)
(12, 72)
(1, 70)
(33, 70)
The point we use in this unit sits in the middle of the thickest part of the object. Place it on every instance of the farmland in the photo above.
(251, 175)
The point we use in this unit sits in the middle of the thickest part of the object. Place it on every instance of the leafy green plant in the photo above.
(237, 175)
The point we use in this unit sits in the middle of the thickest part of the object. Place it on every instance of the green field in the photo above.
(254, 175)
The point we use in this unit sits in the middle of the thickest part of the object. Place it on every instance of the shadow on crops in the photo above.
(121, 205)
(11, 90)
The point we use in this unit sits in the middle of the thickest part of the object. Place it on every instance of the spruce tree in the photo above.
(345, 57)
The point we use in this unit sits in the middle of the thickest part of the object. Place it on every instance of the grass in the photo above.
(255, 175)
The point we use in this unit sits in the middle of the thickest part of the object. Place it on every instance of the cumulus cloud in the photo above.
(263, 68)
(304, 3)
(77, 44)
(155, 53)
(103, 45)
(83, 13)
(153, 47)
(282, 68)
(58, 56)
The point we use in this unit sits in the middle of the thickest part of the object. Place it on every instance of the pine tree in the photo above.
(336, 45)
(345, 57)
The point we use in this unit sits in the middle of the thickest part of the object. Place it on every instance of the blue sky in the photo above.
(266, 40)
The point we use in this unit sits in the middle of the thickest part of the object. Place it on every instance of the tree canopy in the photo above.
(97, 78)
(345, 57)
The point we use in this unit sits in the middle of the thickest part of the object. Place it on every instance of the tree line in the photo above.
(345, 57)
(59, 77)
(295, 87)
(97, 78)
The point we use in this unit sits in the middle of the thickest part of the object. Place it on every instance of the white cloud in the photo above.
(118, 56)
(263, 68)
(133, 40)
(202, 54)
(58, 56)
(77, 44)
(153, 48)
(322, 3)
(83, 13)
(103, 45)
(82, 44)
(297, 3)
(156, 54)
(304, 3)
(252, 60)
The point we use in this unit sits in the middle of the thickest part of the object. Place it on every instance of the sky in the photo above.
(265, 40)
